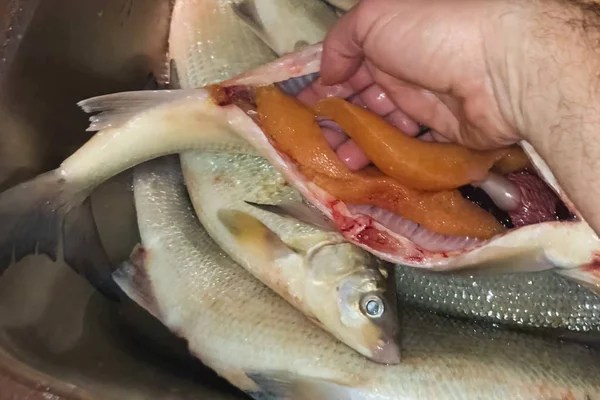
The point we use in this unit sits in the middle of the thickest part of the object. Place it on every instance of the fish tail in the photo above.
(46, 216)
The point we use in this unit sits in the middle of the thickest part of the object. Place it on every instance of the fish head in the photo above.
(354, 290)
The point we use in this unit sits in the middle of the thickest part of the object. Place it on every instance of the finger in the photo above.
(438, 137)
(420, 105)
(377, 100)
(342, 48)
(403, 122)
(317, 90)
(352, 156)
(334, 137)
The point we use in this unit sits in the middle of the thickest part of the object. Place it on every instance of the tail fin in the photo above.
(44, 216)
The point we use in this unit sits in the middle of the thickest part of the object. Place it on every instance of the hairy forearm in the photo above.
(550, 84)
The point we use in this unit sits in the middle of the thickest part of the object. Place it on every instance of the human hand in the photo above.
(482, 74)
(420, 62)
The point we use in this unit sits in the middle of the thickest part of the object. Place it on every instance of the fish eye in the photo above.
(373, 306)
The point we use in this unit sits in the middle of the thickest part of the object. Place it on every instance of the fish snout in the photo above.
(386, 351)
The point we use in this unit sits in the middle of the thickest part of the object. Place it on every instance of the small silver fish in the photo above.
(345, 289)
(261, 344)
(303, 264)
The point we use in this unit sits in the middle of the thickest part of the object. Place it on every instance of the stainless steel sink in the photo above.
(59, 338)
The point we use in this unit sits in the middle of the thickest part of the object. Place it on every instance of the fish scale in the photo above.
(539, 300)
(208, 38)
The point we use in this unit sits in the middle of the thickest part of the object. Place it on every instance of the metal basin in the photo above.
(59, 338)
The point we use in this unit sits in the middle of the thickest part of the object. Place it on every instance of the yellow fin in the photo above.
(254, 236)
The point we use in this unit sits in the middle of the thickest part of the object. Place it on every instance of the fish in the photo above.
(286, 26)
(51, 213)
(257, 341)
(343, 288)
(540, 301)
(206, 38)
(302, 263)
(567, 246)
(136, 126)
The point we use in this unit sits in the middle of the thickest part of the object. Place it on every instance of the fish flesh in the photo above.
(345, 289)
(261, 344)
(567, 245)
(538, 300)
(286, 26)
(301, 263)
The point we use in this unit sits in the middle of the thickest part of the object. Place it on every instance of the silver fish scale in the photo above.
(208, 38)
(244, 177)
(539, 300)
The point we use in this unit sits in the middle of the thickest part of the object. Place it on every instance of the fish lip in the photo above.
(386, 352)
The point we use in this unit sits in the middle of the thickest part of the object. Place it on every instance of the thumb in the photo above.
(343, 46)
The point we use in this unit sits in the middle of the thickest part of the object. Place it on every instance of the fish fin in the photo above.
(133, 279)
(587, 276)
(253, 235)
(299, 211)
(246, 11)
(43, 215)
(287, 386)
(525, 262)
(117, 108)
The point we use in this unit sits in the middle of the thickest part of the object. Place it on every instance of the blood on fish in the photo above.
(293, 129)
(594, 265)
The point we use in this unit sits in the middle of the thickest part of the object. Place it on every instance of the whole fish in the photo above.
(569, 245)
(303, 264)
(141, 125)
(541, 300)
(261, 344)
(286, 25)
(339, 285)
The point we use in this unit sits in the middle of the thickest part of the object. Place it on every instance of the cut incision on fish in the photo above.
(441, 196)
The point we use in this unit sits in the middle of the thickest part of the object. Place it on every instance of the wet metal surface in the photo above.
(59, 339)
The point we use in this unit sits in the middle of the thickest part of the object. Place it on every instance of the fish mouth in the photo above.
(386, 352)
(516, 198)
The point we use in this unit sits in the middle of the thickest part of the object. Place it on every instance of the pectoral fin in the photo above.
(133, 279)
(299, 211)
(287, 386)
(253, 235)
